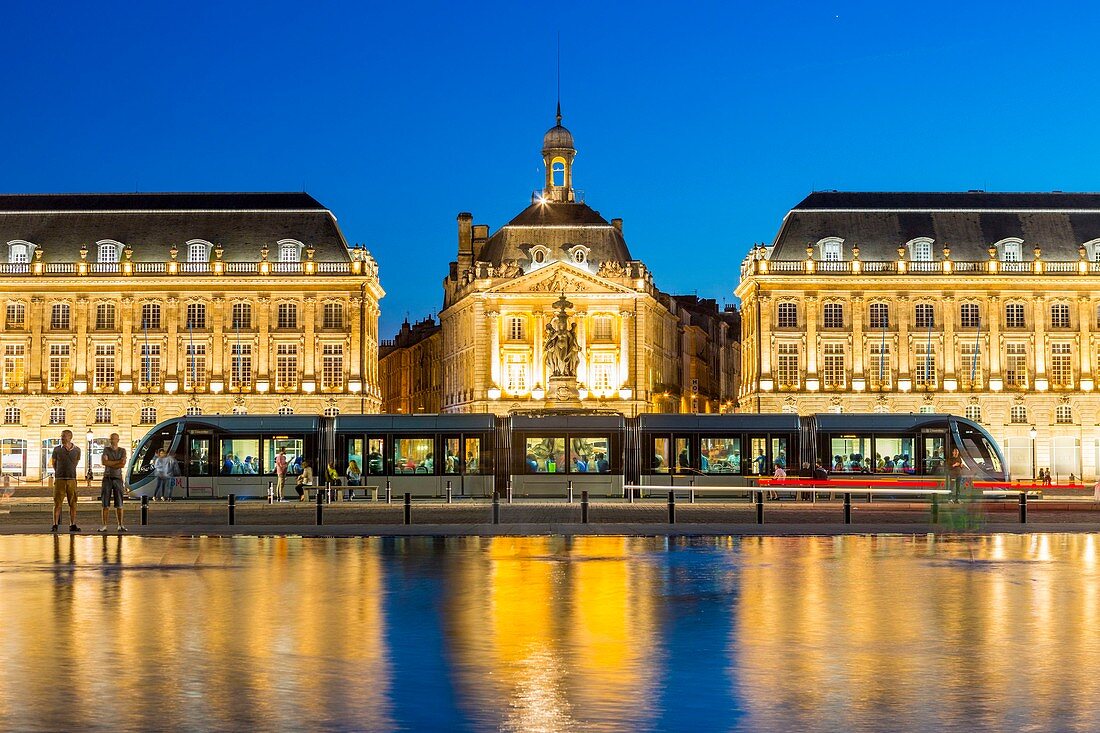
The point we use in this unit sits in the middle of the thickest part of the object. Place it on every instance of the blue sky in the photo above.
(700, 124)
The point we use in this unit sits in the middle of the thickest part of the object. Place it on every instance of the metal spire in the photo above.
(559, 79)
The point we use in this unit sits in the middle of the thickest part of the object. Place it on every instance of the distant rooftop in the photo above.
(948, 201)
(89, 202)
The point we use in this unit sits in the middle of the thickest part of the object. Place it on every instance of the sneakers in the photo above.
(103, 528)
(121, 528)
(74, 528)
(53, 528)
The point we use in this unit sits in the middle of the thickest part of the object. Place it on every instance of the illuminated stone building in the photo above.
(980, 304)
(501, 301)
(410, 368)
(122, 310)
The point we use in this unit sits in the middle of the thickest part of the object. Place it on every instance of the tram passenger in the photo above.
(227, 464)
(532, 464)
(838, 464)
(761, 463)
(602, 465)
(249, 466)
(374, 462)
(683, 461)
(471, 462)
(580, 465)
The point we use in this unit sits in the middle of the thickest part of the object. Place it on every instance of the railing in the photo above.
(174, 268)
(935, 267)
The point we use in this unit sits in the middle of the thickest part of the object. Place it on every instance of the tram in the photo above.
(540, 454)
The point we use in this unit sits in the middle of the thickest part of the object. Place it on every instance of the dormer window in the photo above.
(19, 253)
(920, 250)
(108, 252)
(539, 254)
(831, 248)
(198, 251)
(1012, 250)
(290, 250)
(579, 254)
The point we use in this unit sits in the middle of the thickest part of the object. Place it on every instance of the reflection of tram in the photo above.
(538, 454)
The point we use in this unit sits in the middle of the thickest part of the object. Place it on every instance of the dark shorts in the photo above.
(112, 489)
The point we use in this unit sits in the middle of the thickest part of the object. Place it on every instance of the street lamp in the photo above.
(1032, 433)
(88, 473)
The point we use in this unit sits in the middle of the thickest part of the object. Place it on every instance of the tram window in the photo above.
(682, 447)
(452, 456)
(355, 455)
(661, 455)
(589, 455)
(545, 455)
(240, 456)
(473, 456)
(374, 464)
(198, 455)
(933, 454)
(979, 450)
(780, 455)
(413, 455)
(295, 452)
(721, 455)
(850, 453)
(147, 453)
(759, 450)
(893, 455)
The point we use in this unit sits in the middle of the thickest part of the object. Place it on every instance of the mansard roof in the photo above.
(557, 226)
(967, 222)
(151, 223)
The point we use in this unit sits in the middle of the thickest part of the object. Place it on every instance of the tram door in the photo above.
(934, 447)
(758, 465)
(197, 474)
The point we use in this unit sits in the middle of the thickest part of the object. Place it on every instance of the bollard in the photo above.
(449, 494)
(584, 507)
(935, 508)
(509, 492)
(408, 508)
(389, 495)
(847, 507)
(569, 498)
(691, 496)
(270, 492)
(144, 511)
(672, 507)
(320, 508)
(1023, 507)
(759, 498)
(630, 494)
(232, 509)
(496, 507)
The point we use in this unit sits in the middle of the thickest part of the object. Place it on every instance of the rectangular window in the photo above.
(925, 367)
(150, 316)
(832, 251)
(787, 366)
(721, 455)
(287, 315)
(545, 455)
(1016, 376)
(922, 251)
(16, 316)
(1014, 315)
(833, 315)
(104, 376)
(893, 455)
(240, 366)
(1061, 366)
(332, 367)
(850, 453)
(15, 363)
(601, 328)
(413, 455)
(59, 317)
(515, 329)
(515, 374)
(602, 373)
(833, 366)
(880, 315)
(194, 378)
(60, 376)
(241, 316)
(150, 376)
(969, 315)
(925, 316)
(240, 457)
(970, 366)
(333, 316)
(286, 368)
(879, 370)
(1059, 315)
(589, 454)
(660, 461)
(788, 315)
(196, 316)
(295, 452)
(105, 317)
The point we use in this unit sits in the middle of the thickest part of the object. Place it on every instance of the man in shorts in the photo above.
(64, 461)
(114, 460)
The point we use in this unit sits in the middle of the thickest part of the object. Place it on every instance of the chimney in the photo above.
(618, 224)
(481, 235)
(465, 241)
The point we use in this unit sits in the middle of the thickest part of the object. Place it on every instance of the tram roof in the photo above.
(716, 423)
(415, 423)
(255, 423)
(568, 422)
(879, 422)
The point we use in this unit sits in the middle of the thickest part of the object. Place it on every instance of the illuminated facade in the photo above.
(410, 368)
(978, 304)
(636, 348)
(123, 310)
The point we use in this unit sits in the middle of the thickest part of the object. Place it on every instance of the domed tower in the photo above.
(557, 155)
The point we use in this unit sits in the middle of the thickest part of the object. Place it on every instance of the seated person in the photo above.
(532, 464)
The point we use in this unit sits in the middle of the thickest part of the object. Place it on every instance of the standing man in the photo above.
(114, 460)
(280, 473)
(64, 460)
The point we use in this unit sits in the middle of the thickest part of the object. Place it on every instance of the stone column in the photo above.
(538, 368)
(857, 335)
(80, 358)
(127, 346)
(1084, 347)
(266, 359)
(1039, 316)
(35, 377)
(309, 340)
(764, 304)
(175, 361)
(993, 318)
(948, 337)
(624, 348)
(494, 348)
(355, 362)
(903, 337)
(582, 364)
(218, 363)
(811, 335)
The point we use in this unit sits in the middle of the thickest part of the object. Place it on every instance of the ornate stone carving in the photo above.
(509, 270)
(611, 269)
(559, 283)
(562, 346)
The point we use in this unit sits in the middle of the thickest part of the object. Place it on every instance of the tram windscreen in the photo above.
(980, 451)
(147, 453)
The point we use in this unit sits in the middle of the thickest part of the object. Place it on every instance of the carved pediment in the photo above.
(559, 278)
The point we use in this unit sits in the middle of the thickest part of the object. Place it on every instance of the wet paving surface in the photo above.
(990, 632)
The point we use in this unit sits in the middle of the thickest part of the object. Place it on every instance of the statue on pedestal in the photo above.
(563, 351)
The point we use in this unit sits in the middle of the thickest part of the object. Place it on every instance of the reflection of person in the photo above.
(248, 466)
(957, 470)
(113, 459)
(280, 475)
(64, 460)
(165, 473)
(471, 462)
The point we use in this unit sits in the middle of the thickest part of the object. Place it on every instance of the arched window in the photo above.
(103, 414)
(19, 253)
(557, 171)
(1011, 249)
(333, 316)
(831, 249)
(290, 250)
(920, 249)
(108, 252)
(1059, 315)
(1063, 415)
(193, 411)
(57, 416)
(539, 254)
(332, 411)
(240, 410)
(13, 416)
(105, 317)
(198, 251)
(286, 410)
(1018, 414)
(973, 412)
(148, 416)
(787, 315)
(242, 315)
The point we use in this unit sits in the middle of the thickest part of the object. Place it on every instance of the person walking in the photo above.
(113, 460)
(165, 473)
(280, 474)
(957, 470)
(64, 461)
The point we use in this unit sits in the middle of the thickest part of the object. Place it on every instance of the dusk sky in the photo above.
(700, 125)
